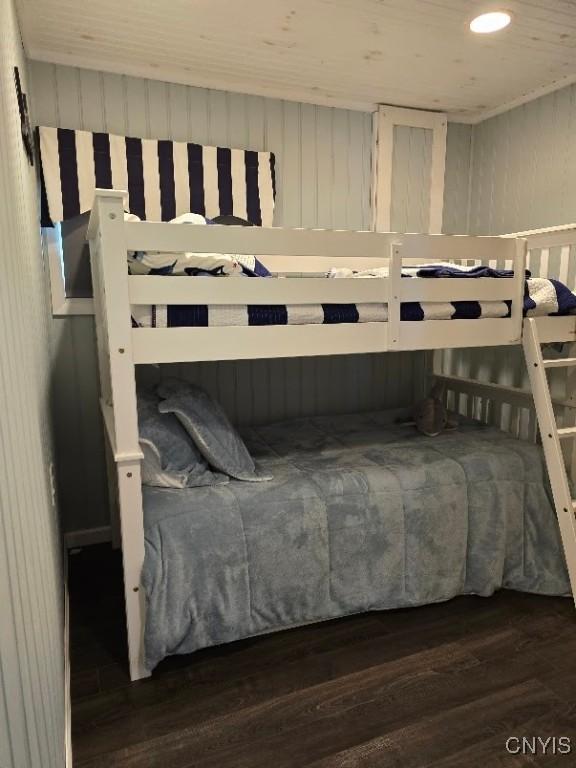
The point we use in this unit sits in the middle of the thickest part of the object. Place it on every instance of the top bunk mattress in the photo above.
(542, 297)
(206, 315)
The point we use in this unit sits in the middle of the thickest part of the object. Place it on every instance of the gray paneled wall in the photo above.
(522, 176)
(411, 166)
(31, 588)
(457, 179)
(323, 154)
(262, 391)
(524, 167)
(324, 177)
(323, 165)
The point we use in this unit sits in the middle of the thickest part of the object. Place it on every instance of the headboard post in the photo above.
(108, 251)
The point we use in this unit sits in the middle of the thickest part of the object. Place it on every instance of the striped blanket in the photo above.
(542, 297)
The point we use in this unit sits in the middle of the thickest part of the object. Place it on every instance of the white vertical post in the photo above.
(521, 250)
(570, 397)
(132, 529)
(394, 276)
(113, 497)
(100, 318)
(108, 248)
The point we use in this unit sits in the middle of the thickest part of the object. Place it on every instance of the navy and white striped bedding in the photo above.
(163, 178)
(174, 316)
(542, 297)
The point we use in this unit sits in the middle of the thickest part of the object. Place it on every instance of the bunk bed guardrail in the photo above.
(292, 249)
(497, 391)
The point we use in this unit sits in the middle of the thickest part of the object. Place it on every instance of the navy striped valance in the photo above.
(163, 178)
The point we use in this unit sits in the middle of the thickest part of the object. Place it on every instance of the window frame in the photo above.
(62, 305)
(383, 123)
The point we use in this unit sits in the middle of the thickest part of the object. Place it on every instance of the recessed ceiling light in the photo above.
(490, 22)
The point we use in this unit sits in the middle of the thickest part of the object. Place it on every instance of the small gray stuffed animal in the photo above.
(430, 415)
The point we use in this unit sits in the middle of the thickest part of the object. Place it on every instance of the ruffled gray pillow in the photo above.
(207, 424)
(171, 459)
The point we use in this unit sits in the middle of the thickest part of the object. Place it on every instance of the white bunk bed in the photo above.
(121, 347)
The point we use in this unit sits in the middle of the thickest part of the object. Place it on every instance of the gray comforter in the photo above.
(360, 516)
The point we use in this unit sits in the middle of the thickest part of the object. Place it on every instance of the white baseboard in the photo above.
(67, 700)
(88, 536)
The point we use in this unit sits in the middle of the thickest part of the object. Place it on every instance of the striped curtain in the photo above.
(163, 178)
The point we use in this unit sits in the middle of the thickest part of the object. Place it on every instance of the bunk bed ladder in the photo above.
(551, 441)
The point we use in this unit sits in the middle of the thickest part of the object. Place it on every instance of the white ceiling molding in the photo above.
(339, 53)
(214, 82)
(224, 84)
(227, 83)
(537, 93)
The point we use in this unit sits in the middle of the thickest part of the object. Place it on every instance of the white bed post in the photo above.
(113, 326)
(394, 300)
(517, 313)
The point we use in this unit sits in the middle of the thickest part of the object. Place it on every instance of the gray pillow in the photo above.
(171, 459)
(207, 424)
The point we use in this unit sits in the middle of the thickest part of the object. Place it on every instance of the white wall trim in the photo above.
(83, 538)
(385, 119)
(67, 696)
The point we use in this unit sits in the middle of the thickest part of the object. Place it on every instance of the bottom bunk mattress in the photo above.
(360, 515)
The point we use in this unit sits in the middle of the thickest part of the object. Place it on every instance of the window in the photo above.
(68, 257)
(76, 257)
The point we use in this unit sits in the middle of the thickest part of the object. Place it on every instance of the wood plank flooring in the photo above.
(441, 686)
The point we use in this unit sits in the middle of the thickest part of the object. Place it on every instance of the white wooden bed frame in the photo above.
(121, 347)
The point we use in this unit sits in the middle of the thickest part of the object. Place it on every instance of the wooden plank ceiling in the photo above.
(351, 53)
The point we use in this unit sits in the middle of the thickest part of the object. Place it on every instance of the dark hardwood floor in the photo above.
(442, 686)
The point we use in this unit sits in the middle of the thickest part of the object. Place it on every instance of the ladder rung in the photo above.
(562, 362)
(567, 432)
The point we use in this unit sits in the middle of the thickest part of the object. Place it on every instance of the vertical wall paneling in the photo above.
(323, 137)
(257, 392)
(522, 176)
(457, 180)
(411, 165)
(323, 171)
(524, 167)
(309, 168)
(31, 588)
(114, 104)
(323, 167)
